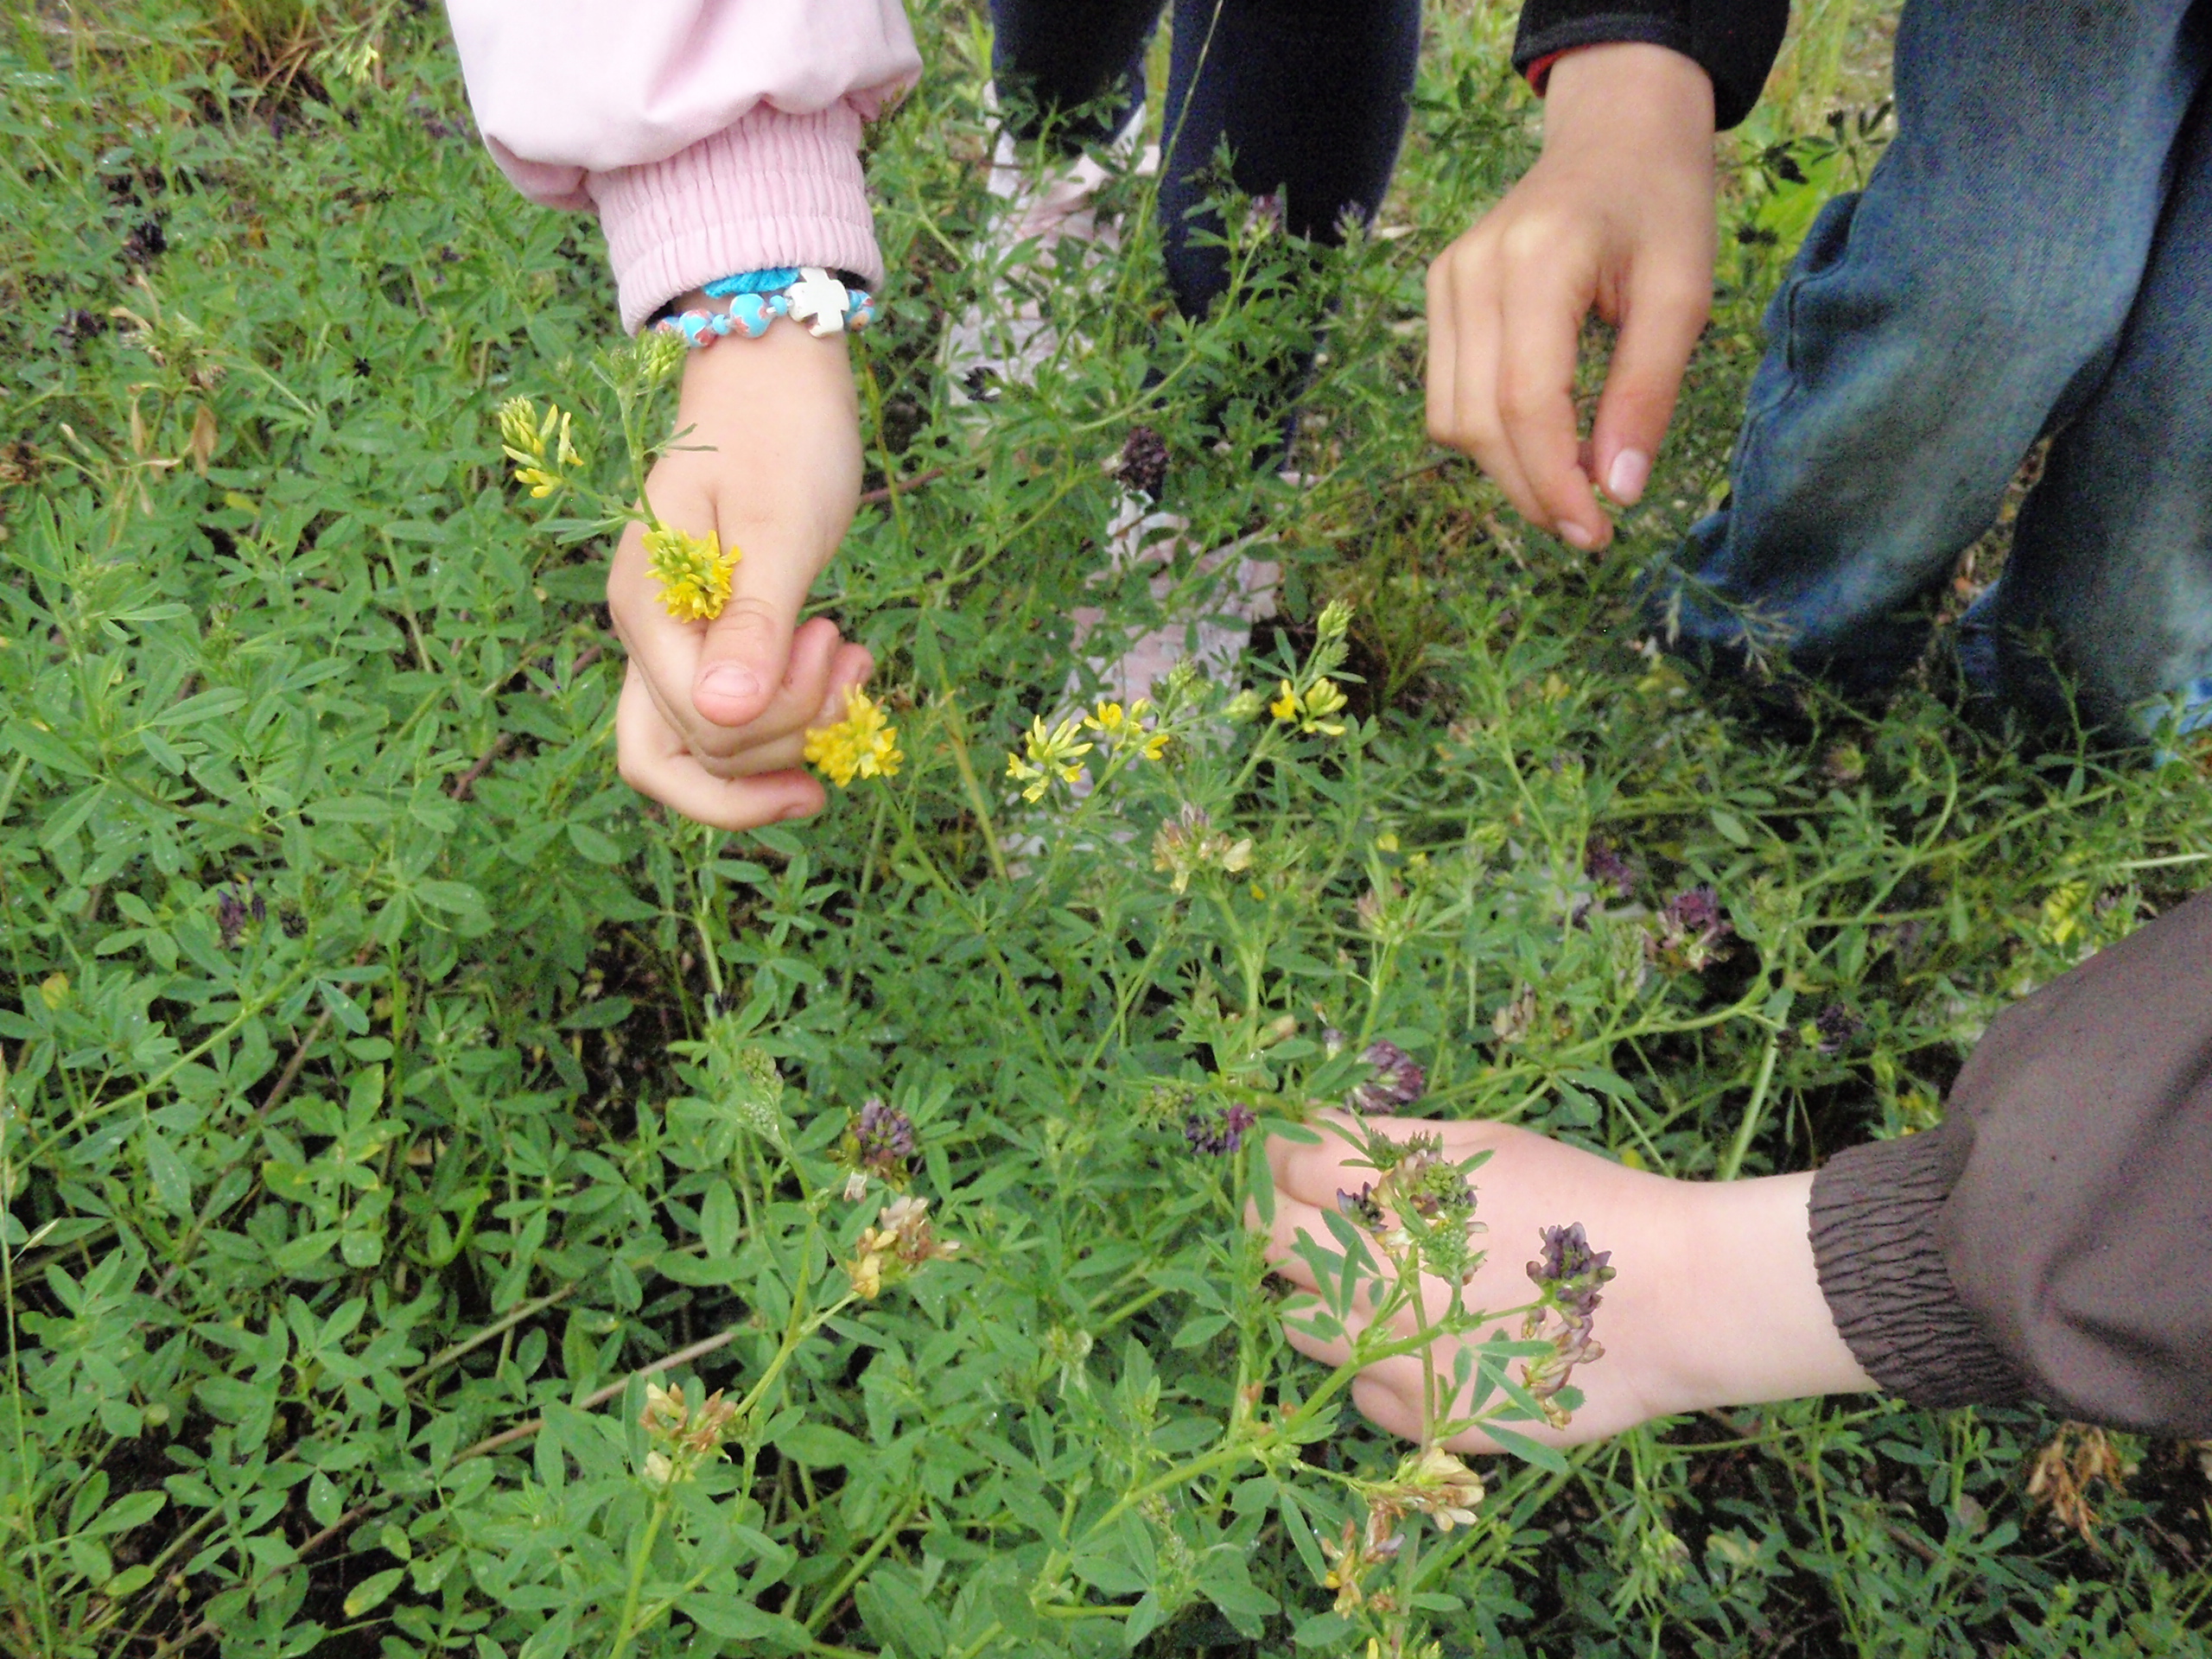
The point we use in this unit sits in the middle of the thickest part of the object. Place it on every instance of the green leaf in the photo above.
(208, 705)
(171, 1180)
(817, 1446)
(738, 1620)
(372, 1591)
(127, 1513)
(1144, 1619)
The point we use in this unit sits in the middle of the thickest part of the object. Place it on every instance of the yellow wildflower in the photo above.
(542, 451)
(1119, 725)
(693, 570)
(1322, 700)
(1309, 710)
(2065, 912)
(862, 744)
(1050, 752)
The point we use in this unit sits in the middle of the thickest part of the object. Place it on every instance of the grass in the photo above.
(386, 1088)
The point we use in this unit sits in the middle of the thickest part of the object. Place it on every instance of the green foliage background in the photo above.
(374, 1086)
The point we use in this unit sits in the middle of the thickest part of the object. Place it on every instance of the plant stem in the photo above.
(624, 1634)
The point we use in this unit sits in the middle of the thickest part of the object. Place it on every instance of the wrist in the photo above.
(1628, 91)
(1748, 1321)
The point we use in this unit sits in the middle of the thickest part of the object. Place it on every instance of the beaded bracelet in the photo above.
(757, 298)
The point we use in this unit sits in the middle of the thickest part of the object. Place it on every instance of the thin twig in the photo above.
(501, 744)
(899, 487)
(483, 764)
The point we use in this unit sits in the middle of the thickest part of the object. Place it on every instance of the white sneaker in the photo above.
(1003, 332)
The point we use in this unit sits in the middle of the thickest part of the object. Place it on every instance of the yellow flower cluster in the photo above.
(541, 450)
(693, 572)
(900, 1242)
(1310, 710)
(1118, 725)
(1049, 753)
(862, 745)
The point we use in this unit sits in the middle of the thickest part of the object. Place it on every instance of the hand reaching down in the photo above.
(714, 715)
(1615, 216)
(1714, 1300)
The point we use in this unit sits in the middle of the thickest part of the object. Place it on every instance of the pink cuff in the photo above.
(774, 190)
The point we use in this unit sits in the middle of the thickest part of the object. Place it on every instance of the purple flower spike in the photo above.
(1215, 1133)
(1398, 1081)
(1603, 863)
(1697, 910)
(883, 1136)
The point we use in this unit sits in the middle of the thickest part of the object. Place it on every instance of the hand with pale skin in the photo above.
(1616, 216)
(714, 715)
(1715, 1301)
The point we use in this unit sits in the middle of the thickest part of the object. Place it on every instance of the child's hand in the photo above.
(1716, 1301)
(1618, 212)
(714, 715)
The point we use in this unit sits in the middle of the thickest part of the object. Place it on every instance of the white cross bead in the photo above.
(821, 296)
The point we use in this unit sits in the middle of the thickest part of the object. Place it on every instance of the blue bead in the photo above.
(750, 312)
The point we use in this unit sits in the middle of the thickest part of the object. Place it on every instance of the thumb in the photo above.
(1659, 328)
(747, 650)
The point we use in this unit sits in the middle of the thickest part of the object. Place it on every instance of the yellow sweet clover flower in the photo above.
(1119, 726)
(693, 571)
(1049, 753)
(1309, 710)
(862, 745)
(542, 451)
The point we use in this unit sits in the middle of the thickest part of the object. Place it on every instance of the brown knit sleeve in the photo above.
(2055, 1238)
(1874, 1210)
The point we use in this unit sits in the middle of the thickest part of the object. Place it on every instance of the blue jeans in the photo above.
(2032, 256)
(1309, 95)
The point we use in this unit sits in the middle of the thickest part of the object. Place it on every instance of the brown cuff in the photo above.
(1874, 1210)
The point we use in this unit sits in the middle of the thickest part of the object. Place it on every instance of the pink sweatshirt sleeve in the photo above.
(711, 135)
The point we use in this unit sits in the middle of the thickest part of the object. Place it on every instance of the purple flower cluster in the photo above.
(883, 1137)
(1144, 461)
(1834, 1028)
(1603, 863)
(1569, 1277)
(232, 911)
(1361, 1207)
(1570, 1269)
(1398, 1082)
(1218, 1132)
(1697, 910)
(1693, 930)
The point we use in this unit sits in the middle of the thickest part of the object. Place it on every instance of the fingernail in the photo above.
(1631, 470)
(729, 680)
(791, 812)
(1575, 536)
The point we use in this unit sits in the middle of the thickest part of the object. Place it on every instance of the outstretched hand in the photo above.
(714, 715)
(1615, 216)
(1716, 1300)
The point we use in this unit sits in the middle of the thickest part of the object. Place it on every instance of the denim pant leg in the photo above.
(2111, 562)
(1936, 323)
